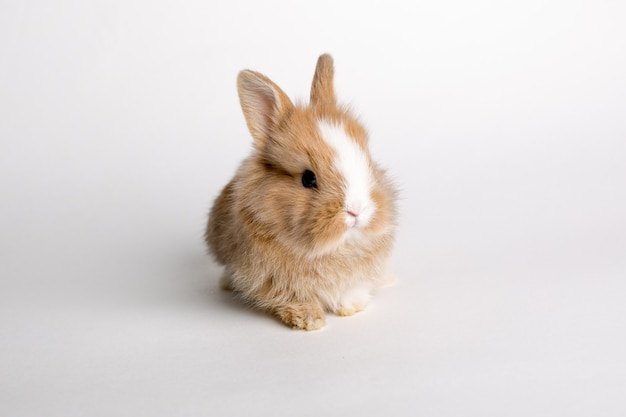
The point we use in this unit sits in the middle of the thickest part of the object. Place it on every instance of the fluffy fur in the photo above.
(293, 250)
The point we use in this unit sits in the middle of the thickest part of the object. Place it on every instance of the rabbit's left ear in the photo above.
(322, 89)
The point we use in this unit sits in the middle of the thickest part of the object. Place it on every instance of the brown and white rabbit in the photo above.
(307, 223)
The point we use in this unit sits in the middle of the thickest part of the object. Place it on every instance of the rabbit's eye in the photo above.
(308, 179)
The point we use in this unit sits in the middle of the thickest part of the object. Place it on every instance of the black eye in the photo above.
(308, 179)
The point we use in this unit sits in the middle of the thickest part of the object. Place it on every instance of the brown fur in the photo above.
(284, 246)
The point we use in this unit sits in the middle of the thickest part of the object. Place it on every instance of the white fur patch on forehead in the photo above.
(353, 164)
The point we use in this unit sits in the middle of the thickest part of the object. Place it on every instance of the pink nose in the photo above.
(352, 213)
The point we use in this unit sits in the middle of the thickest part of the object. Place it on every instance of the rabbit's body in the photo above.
(307, 223)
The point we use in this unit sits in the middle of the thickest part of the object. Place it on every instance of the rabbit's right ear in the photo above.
(263, 103)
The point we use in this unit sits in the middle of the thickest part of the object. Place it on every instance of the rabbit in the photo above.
(306, 225)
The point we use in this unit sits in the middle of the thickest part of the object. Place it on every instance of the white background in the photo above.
(504, 124)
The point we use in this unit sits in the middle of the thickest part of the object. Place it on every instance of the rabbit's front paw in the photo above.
(303, 316)
(353, 301)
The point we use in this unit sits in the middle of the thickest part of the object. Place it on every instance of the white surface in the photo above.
(504, 124)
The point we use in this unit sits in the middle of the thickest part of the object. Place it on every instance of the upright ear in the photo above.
(263, 103)
(322, 90)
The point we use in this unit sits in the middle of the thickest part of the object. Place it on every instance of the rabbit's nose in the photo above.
(354, 209)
